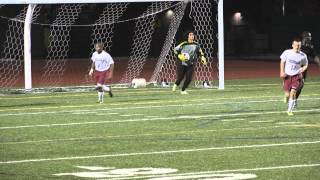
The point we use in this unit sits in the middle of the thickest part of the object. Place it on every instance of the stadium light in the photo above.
(169, 14)
(237, 18)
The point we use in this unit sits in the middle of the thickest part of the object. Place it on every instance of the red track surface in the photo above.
(76, 70)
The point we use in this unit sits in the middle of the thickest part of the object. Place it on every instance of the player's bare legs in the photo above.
(286, 97)
(107, 88)
(99, 88)
(291, 102)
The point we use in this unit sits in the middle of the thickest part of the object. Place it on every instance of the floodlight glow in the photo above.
(170, 14)
(237, 18)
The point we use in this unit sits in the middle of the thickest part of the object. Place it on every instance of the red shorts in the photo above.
(101, 76)
(292, 82)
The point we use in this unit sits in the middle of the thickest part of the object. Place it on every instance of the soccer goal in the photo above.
(49, 43)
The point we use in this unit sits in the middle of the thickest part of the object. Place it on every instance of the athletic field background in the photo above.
(242, 132)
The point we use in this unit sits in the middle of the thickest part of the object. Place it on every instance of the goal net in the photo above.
(139, 36)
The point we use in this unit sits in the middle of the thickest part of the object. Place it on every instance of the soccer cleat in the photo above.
(174, 87)
(184, 92)
(110, 93)
(290, 113)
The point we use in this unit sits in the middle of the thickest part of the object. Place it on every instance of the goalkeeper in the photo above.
(187, 52)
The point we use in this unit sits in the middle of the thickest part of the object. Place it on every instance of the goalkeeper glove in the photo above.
(204, 60)
(182, 57)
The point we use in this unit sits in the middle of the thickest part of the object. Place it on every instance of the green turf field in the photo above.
(241, 132)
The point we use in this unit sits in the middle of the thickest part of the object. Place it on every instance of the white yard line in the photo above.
(160, 152)
(153, 119)
(142, 135)
(266, 121)
(232, 120)
(141, 91)
(294, 122)
(154, 102)
(144, 107)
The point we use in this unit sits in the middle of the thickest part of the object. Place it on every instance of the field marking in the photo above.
(289, 122)
(307, 125)
(228, 171)
(265, 121)
(149, 102)
(142, 135)
(141, 91)
(232, 120)
(130, 115)
(153, 119)
(161, 152)
(144, 107)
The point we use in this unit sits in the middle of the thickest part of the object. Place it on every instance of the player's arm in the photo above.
(177, 51)
(305, 66)
(282, 72)
(203, 58)
(111, 71)
(92, 68)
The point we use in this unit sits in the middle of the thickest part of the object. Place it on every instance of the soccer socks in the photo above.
(107, 89)
(100, 97)
(291, 104)
(174, 87)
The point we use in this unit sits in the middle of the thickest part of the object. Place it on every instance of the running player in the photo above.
(293, 63)
(187, 52)
(102, 68)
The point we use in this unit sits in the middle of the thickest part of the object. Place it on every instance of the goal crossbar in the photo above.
(74, 1)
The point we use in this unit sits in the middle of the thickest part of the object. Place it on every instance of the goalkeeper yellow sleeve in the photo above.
(203, 60)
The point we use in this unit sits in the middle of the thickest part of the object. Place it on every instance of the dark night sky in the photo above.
(264, 17)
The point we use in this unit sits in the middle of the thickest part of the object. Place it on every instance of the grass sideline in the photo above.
(241, 132)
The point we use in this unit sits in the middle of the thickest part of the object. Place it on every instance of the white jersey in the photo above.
(102, 61)
(293, 61)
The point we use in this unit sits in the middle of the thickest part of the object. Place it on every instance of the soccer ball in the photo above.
(138, 83)
(186, 56)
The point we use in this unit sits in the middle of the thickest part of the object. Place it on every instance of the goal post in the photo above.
(27, 48)
(103, 29)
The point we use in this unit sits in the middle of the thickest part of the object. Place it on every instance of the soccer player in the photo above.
(308, 49)
(293, 63)
(102, 68)
(187, 52)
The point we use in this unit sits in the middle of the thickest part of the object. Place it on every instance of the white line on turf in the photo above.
(155, 102)
(144, 107)
(229, 171)
(266, 121)
(161, 152)
(231, 120)
(142, 91)
(154, 119)
(129, 115)
(104, 114)
(295, 122)
(141, 135)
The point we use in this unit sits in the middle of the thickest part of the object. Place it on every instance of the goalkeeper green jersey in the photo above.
(192, 49)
